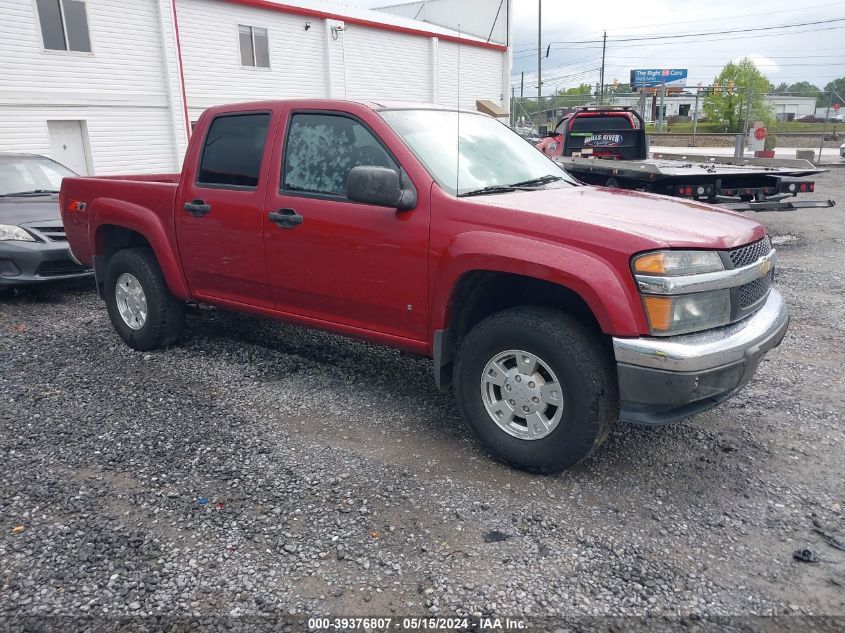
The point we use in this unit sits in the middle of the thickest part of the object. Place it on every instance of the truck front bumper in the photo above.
(663, 380)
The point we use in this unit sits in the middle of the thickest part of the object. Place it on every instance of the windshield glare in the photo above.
(491, 154)
(28, 173)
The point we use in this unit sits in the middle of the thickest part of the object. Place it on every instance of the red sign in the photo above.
(836, 107)
(760, 133)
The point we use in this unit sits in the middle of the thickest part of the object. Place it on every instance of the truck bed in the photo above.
(123, 195)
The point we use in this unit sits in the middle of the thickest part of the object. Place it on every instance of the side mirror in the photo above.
(380, 186)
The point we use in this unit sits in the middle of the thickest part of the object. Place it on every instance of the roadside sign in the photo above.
(653, 77)
(760, 133)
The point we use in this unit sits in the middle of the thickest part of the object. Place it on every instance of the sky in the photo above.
(815, 53)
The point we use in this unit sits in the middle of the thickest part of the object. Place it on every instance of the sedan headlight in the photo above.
(669, 313)
(9, 232)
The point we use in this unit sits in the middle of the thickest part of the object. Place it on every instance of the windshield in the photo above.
(491, 154)
(25, 174)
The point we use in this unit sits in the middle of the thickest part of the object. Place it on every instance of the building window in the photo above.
(64, 25)
(231, 155)
(255, 51)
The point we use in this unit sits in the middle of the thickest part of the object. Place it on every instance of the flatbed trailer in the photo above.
(615, 155)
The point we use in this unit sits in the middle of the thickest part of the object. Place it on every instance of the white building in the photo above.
(784, 107)
(113, 86)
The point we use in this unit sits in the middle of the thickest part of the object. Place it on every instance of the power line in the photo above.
(732, 17)
(706, 33)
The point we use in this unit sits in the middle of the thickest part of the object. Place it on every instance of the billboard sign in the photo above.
(654, 77)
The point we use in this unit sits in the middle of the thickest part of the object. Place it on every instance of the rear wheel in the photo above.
(140, 306)
(537, 388)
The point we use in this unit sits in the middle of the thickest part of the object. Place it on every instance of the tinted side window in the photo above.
(322, 148)
(233, 149)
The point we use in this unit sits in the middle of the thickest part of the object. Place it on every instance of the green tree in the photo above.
(804, 89)
(726, 104)
(838, 85)
(576, 96)
(781, 88)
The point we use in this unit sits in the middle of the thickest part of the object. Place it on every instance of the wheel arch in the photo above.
(573, 281)
(118, 224)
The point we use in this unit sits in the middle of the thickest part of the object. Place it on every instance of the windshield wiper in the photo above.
(31, 192)
(485, 190)
(534, 182)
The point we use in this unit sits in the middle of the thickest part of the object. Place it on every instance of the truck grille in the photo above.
(752, 292)
(54, 233)
(750, 253)
(59, 267)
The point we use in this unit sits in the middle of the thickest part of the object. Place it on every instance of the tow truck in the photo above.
(608, 146)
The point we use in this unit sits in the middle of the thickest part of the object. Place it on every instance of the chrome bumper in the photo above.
(662, 380)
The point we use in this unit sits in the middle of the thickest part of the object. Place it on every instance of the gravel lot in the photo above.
(257, 468)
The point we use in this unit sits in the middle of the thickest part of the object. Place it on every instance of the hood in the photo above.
(29, 210)
(660, 219)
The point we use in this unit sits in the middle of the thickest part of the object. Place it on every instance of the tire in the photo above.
(577, 359)
(165, 315)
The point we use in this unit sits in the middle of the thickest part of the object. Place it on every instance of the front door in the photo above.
(354, 264)
(69, 145)
(220, 211)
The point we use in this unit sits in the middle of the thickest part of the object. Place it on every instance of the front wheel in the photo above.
(141, 308)
(537, 387)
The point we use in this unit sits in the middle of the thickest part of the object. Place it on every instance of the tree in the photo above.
(781, 88)
(727, 103)
(577, 96)
(804, 89)
(838, 85)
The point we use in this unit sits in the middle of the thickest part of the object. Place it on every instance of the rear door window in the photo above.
(231, 155)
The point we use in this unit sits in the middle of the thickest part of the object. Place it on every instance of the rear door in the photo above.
(220, 210)
(344, 262)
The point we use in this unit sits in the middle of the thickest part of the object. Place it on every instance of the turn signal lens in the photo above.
(659, 311)
(678, 263)
(652, 263)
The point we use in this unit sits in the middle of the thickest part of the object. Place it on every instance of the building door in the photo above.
(69, 145)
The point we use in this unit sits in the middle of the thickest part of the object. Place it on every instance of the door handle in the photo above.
(197, 208)
(285, 218)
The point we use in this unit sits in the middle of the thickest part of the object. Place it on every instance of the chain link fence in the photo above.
(706, 116)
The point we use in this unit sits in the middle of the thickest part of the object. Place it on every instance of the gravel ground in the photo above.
(257, 468)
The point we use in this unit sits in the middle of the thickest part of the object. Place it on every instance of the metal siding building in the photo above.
(154, 65)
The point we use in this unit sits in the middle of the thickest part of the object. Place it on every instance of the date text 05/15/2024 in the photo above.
(417, 624)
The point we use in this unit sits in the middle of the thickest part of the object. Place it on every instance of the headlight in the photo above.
(16, 233)
(669, 313)
(678, 263)
(680, 314)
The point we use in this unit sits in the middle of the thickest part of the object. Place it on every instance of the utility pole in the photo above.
(601, 75)
(826, 117)
(539, 59)
(661, 108)
(695, 118)
(745, 123)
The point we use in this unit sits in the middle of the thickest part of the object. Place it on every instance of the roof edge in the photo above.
(315, 13)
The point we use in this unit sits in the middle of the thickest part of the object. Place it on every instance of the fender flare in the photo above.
(142, 220)
(612, 298)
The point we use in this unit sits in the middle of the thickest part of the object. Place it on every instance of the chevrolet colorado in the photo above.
(554, 309)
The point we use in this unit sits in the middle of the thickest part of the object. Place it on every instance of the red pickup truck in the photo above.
(553, 308)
